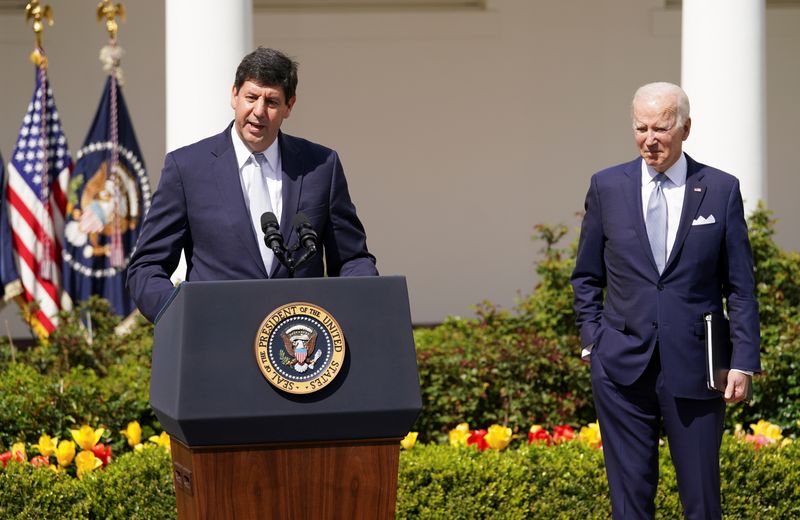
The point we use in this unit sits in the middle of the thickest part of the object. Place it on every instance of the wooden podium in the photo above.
(241, 447)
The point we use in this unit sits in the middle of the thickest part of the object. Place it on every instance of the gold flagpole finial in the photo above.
(106, 9)
(39, 14)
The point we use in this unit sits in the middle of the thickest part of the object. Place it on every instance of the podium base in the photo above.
(337, 479)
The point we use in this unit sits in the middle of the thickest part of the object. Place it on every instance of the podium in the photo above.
(245, 448)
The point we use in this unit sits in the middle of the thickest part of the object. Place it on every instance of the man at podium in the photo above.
(217, 197)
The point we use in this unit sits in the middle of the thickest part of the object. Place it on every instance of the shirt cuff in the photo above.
(745, 372)
(586, 350)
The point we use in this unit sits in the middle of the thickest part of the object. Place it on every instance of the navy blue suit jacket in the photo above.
(199, 207)
(707, 262)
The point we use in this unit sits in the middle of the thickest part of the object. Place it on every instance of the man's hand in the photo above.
(736, 389)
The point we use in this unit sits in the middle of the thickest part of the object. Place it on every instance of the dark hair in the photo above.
(268, 68)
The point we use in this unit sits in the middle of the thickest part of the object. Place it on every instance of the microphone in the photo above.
(272, 234)
(305, 232)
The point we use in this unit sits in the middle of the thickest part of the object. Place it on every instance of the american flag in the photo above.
(38, 173)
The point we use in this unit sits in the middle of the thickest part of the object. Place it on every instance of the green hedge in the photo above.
(136, 485)
(521, 366)
(74, 379)
(568, 481)
(436, 481)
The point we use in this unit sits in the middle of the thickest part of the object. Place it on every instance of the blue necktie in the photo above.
(656, 222)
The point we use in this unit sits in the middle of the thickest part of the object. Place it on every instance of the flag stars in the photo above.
(19, 157)
(28, 168)
(39, 167)
(31, 155)
(37, 179)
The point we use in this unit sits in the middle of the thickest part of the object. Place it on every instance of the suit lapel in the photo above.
(695, 192)
(225, 170)
(633, 196)
(291, 184)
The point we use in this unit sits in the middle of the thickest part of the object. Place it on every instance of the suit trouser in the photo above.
(630, 418)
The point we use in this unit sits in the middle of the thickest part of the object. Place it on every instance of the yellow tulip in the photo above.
(47, 445)
(65, 453)
(498, 437)
(768, 430)
(591, 435)
(86, 462)
(162, 440)
(86, 437)
(458, 436)
(18, 449)
(409, 440)
(133, 433)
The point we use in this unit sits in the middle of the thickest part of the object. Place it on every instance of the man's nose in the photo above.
(651, 138)
(259, 108)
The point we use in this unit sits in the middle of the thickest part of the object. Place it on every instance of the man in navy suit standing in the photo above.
(664, 240)
(213, 193)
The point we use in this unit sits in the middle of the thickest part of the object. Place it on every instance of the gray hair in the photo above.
(664, 89)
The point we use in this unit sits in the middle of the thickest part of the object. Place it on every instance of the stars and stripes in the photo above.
(38, 172)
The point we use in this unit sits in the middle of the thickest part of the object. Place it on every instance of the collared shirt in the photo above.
(273, 171)
(674, 190)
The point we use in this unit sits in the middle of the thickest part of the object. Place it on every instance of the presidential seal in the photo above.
(299, 348)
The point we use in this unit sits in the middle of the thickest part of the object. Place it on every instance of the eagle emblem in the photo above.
(300, 342)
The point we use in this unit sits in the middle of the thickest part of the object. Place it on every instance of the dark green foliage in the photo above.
(516, 368)
(75, 378)
(134, 486)
(137, 485)
(777, 390)
(522, 366)
(568, 481)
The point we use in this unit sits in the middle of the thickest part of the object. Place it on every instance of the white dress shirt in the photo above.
(273, 172)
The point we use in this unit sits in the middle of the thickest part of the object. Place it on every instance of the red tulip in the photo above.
(477, 438)
(102, 452)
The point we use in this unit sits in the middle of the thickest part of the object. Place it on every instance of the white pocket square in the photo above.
(702, 221)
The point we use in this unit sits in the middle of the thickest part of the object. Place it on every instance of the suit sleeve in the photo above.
(589, 277)
(739, 287)
(345, 240)
(158, 249)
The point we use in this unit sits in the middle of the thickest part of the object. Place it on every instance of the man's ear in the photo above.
(290, 104)
(233, 97)
(687, 126)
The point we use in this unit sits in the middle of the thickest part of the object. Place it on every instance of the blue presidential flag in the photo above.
(10, 285)
(107, 198)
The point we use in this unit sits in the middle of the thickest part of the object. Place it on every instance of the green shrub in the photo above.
(522, 366)
(777, 390)
(516, 367)
(568, 481)
(76, 377)
(137, 485)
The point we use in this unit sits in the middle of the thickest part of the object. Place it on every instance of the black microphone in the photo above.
(305, 232)
(272, 234)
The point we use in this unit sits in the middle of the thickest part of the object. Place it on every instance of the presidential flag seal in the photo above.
(299, 348)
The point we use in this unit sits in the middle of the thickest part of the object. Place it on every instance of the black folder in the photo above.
(718, 353)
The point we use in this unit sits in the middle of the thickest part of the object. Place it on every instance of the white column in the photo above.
(724, 74)
(205, 40)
